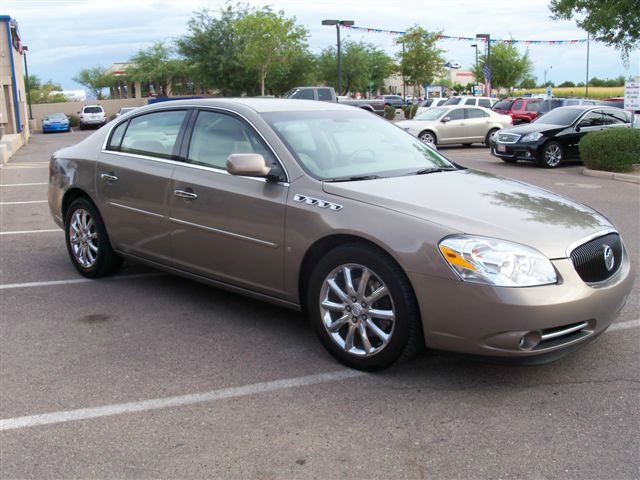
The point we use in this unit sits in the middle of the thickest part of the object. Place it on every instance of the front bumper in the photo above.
(516, 151)
(519, 322)
(55, 127)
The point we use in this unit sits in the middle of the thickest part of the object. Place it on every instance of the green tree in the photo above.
(528, 82)
(364, 67)
(43, 92)
(610, 21)
(212, 48)
(95, 79)
(567, 84)
(156, 65)
(269, 39)
(508, 67)
(299, 70)
(420, 59)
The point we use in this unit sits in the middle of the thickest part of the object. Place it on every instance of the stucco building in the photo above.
(14, 113)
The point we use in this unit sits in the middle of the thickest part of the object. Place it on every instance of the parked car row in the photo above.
(88, 116)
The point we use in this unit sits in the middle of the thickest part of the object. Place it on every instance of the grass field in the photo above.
(594, 92)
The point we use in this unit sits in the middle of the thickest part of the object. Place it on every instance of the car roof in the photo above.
(260, 105)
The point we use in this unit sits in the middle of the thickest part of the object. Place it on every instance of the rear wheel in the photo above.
(487, 139)
(551, 156)
(428, 137)
(87, 242)
(363, 309)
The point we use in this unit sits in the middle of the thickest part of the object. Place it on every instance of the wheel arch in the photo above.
(73, 194)
(432, 132)
(322, 246)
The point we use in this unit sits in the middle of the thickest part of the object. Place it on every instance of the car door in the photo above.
(478, 125)
(452, 130)
(517, 111)
(133, 180)
(226, 227)
(591, 121)
(616, 118)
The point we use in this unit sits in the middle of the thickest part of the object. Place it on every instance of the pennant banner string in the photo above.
(439, 36)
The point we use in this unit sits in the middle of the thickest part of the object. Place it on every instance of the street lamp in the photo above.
(25, 49)
(485, 37)
(338, 23)
(475, 45)
(545, 74)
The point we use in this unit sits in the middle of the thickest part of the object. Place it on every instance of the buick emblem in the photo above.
(609, 259)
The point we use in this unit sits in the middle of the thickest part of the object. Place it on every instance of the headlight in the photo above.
(531, 137)
(496, 262)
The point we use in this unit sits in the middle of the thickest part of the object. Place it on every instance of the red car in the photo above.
(521, 110)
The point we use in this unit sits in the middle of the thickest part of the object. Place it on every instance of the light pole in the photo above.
(485, 37)
(475, 45)
(25, 49)
(545, 74)
(338, 23)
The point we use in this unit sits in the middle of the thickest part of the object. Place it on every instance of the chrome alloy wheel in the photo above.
(427, 137)
(83, 235)
(553, 155)
(357, 310)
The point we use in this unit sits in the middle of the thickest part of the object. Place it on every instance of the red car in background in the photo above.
(521, 110)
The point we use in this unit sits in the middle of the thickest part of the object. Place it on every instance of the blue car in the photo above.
(55, 122)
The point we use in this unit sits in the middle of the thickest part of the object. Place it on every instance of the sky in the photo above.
(65, 36)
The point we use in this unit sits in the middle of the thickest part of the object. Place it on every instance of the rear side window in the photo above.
(476, 113)
(324, 94)
(616, 117)
(484, 102)
(532, 106)
(571, 103)
(153, 134)
(502, 105)
(116, 136)
(216, 136)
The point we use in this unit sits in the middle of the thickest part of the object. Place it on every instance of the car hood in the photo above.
(532, 127)
(473, 202)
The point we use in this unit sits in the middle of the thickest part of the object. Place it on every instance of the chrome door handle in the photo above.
(183, 194)
(108, 177)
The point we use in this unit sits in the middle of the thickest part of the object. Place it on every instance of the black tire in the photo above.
(551, 155)
(466, 145)
(487, 138)
(425, 135)
(404, 332)
(105, 261)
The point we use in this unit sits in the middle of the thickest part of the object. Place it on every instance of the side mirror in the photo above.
(446, 119)
(577, 129)
(247, 165)
(584, 123)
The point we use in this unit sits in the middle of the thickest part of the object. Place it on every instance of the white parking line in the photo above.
(10, 286)
(24, 202)
(26, 232)
(22, 184)
(168, 402)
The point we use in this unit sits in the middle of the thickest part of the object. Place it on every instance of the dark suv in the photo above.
(521, 110)
(395, 101)
(551, 103)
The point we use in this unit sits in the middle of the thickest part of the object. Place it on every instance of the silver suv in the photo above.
(92, 116)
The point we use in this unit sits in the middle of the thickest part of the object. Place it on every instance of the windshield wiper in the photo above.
(352, 179)
(431, 170)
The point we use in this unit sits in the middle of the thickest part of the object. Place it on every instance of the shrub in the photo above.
(614, 150)
(73, 120)
(389, 112)
(410, 111)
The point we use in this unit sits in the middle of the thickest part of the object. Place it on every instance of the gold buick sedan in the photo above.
(386, 245)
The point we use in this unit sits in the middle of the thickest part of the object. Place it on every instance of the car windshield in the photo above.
(92, 110)
(56, 116)
(431, 114)
(345, 145)
(560, 116)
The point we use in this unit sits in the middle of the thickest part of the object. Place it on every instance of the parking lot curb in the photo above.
(621, 177)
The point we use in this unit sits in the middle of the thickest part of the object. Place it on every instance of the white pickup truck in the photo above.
(328, 94)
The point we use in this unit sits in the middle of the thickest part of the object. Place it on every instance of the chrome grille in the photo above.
(507, 137)
(589, 258)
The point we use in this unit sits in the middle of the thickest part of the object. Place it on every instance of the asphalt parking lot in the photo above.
(150, 375)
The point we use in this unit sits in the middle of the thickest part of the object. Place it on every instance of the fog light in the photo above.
(530, 340)
(527, 154)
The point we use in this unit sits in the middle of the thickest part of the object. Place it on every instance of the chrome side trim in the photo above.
(588, 238)
(189, 165)
(137, 210)
(566, 331)
(224, 232)
(186, 107)
(317, 202)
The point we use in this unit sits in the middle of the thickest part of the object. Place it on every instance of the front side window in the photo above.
(338, 145)
(592, 119)
(324, 94)
(517, 105)
(153, 134)
(456, 114)
(216, 136)
(305, 94)
(470, 101)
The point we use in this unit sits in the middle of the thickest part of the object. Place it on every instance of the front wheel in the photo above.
(87, 242)
(362, 308)
(551, 156)
(428, 137)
